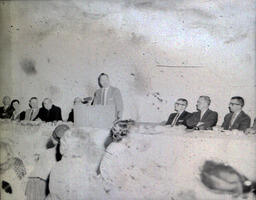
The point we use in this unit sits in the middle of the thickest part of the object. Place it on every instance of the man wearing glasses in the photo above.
(179, 118)
(205, 118)
(237, 118)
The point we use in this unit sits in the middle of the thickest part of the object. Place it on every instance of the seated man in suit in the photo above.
(205, 118)
(237, 118)
(179, 118)
(6, 111)
(32, 112)
(108, 95)
(49, 112)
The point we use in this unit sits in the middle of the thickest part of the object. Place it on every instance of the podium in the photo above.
(97, 116)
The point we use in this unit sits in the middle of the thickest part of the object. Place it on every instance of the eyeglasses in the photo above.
(180, 104)
(232, 104)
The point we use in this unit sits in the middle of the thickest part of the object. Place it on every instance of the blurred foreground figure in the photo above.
(12, 171)
(37, 186)
(222, 178)
(74, 177)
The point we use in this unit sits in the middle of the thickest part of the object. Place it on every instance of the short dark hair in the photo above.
(31, 100)
(240, 99)
(13, 101)
(102, 74)
(184, 100)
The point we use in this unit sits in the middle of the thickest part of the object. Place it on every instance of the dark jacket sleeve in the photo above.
(225, 123)
(41, 114)
(22, 115)
(245, 123)
(211, 120)
(58, 114)
(188, 115)
(97, 98)
(71, 116)
(170, 119)
(192, 121)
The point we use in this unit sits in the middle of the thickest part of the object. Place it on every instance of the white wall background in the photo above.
(57, 49)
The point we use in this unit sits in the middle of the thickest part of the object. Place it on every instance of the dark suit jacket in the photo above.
(209, 119)
(71, 116)
(181, 120)
(6, 114)
(54, 114)
(242, 122)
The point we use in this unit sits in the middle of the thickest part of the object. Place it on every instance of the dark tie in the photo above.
(232, 120)
(31, 115)
(103, 96)
(175, 120)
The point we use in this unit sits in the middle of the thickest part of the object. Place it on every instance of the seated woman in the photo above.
(6, 110)
(78, 101)
(17, 114)
(32, 112)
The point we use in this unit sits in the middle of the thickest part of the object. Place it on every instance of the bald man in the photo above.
(49, 112)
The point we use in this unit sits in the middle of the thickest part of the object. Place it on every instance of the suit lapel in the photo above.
(205, 115)
(109, 93)
(237, 119)
(228, 120)
(181, 115)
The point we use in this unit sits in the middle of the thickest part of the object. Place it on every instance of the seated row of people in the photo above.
(206, 119)
(203, 119)
(47, 113)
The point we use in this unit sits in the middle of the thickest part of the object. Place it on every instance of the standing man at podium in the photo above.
(108, 95)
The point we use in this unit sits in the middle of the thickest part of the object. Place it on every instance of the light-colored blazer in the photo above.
(114, 97)
(28, 114)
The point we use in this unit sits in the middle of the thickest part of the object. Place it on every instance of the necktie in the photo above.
(201, 116)
(103, 96)
(175, 119)
(31, 115)
(232, 120)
